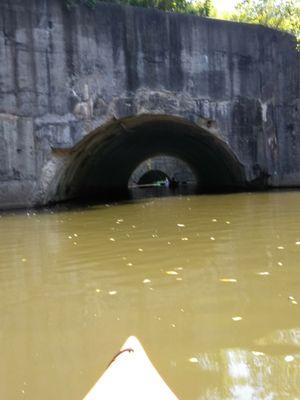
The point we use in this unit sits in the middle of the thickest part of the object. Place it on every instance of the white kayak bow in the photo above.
(131, 376)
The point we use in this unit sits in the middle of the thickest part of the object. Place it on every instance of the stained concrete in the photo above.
(67, 75)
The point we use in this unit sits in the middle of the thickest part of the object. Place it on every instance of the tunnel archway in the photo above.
(152, 176)
(172, 168)
(105, 159)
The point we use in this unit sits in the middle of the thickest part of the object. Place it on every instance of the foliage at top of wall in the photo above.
(199, 7)
(283, 15)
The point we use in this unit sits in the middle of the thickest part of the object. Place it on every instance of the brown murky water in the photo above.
(210, 285)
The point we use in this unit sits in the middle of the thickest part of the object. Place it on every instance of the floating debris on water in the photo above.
(112, 239)
(171, 273)
(263, 273)
(232, 280)
(289, 358)
(184, 238)
(237, 318)
(129, 264)
(193, 360)
(297, 243)
(227, 222)
(75, 235)
(112, 292)
(181, 225)
(292, 300)
(24, 259)
(69, 237)
(280, 263)
(214, 220)
(212, 238)
(98, 290)
(173, 325)
(147, 280)
(280, 247)
(257, 353)
(178, 279)
(140, 250)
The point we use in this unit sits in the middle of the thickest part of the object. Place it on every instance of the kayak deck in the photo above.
(131, 376)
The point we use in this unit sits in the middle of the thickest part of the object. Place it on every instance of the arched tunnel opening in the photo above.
(162, 170)
(106, 160)
(153, 177)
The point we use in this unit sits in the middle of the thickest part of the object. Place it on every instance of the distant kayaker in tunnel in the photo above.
(173, 183)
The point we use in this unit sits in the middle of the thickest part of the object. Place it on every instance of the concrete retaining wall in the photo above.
(64, 73)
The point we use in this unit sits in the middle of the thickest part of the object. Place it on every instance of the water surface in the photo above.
(210, 285)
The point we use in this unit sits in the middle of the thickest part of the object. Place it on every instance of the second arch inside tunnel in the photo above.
(162, 169)
(117, 155)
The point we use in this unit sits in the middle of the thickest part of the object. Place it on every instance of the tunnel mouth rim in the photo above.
(112, 130)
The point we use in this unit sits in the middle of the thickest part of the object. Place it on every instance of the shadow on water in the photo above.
(135, 194)
(124, 196)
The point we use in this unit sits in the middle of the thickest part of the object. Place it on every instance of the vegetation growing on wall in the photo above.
(198, 7)
(279, 14)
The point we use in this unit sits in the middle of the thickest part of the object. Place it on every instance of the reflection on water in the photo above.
(144, 192)
(210, 284)
(254, 374)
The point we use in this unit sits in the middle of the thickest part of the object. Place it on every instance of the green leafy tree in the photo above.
(279, 14)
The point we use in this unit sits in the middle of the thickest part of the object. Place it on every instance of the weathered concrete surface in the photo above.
(64, 73)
